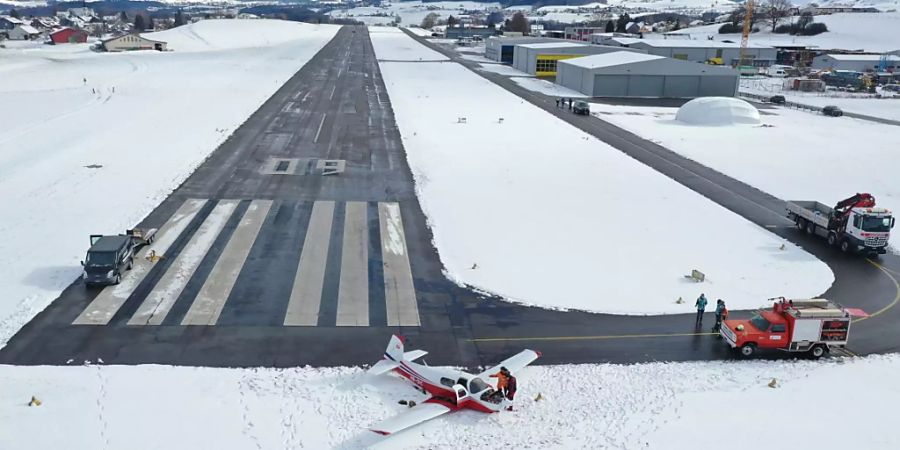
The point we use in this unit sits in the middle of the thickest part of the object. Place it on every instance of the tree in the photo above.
(451, 21)
(179, 18)
(622, 22)
(494, 18)
(429, 21)
(150, 25)
(519, 23)
(805, 19)
(610, 26)
(777, 10)
(123, 17)
(139, 23)
(14, 14)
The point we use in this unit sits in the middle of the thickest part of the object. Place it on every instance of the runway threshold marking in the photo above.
(306, 293)
(894, 302)
(208, 304)
(590, 338)
(399, 292)
(353, 288)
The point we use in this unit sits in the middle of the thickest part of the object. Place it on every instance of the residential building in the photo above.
(631, 74)
(582, 33)
(23, 33)
(10, 22)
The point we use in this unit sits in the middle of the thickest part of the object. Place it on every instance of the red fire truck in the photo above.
(814, 326)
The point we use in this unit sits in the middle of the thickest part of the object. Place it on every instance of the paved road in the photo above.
(300, 241)
(793, 104)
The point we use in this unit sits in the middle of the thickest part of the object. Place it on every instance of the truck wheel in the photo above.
(130, 263)
(810, 228)
(832, 239)
(118, 279)
(845, 246)
(748, 349)
(817, 351)
(801, 223)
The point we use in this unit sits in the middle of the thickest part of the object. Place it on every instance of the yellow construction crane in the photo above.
(745, 34)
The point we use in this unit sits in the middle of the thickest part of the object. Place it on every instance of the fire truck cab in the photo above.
(814, 326)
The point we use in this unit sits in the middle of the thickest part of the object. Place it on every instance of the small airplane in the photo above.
(450, 389)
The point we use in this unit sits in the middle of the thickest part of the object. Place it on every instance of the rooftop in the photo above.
(840, 57)
(682, 43)
(610, 59)
(554, 45)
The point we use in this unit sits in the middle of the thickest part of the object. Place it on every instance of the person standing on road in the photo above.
(721, 314)
(701, 308)
(557, 101)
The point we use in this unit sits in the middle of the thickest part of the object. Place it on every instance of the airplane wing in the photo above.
(413, 416)
(513, 363)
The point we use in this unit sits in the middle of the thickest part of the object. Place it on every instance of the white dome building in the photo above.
(718, 111)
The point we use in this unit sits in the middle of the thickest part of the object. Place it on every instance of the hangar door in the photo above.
(610, 85)
(646, 85)
(687, 86)
(722, 86)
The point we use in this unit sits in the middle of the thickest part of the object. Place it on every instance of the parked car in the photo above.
(777, 99)
(582, 108)
(832, 111)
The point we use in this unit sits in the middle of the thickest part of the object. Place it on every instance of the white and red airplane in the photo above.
(450, 389)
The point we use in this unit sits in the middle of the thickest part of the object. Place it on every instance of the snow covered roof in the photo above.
(553, 45)
(840, 57)
(610, 59)
(668, 43)
(12, 19)
(29, 29)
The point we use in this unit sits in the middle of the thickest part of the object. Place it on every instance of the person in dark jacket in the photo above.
(721, 314)
(510, 388)
(701, 308)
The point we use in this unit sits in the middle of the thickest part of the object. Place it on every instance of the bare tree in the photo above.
(429, 20)
(519, 23)
(777, 10)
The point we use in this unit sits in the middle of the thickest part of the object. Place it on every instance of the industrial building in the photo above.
(500, 48)
(723, 53)
(857, 63)
(630, 74)
(540, 58)
(130, 42)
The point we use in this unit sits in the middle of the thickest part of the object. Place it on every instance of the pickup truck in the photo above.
(813, 326)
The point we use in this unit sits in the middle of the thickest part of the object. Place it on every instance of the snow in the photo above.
(886, 108)
(547, 87)
(411, 13)
(717, 111)
(151, 119)
(655, 405)
(503, 69)
(552, 45)
(528, 199)
(850, 31)
(610, 59)
(797, 155)
(394, 45)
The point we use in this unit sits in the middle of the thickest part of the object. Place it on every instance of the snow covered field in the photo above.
(887, 108)
(393, 44)
(554, 217)
(675, 406)
(851, 31)
(411, 12)
(97, 140)
(797, 155)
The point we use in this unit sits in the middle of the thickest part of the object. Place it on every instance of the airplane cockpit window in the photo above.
(477, 385)
(447, 382)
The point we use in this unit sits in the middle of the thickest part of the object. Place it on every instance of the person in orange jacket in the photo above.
(502, 379)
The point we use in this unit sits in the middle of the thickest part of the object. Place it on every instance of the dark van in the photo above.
(107, 259)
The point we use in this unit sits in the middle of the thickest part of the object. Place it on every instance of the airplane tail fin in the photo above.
(393, 355)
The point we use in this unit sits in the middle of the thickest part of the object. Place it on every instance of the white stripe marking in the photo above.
(400, 293)
(306, 295)
(320, 128)
(107, 303)
(215, 291)
(353, 288)
(160, 300)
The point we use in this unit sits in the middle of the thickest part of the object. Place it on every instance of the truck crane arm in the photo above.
(863, 200)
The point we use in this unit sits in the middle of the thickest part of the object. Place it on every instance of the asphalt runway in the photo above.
(300, 241)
